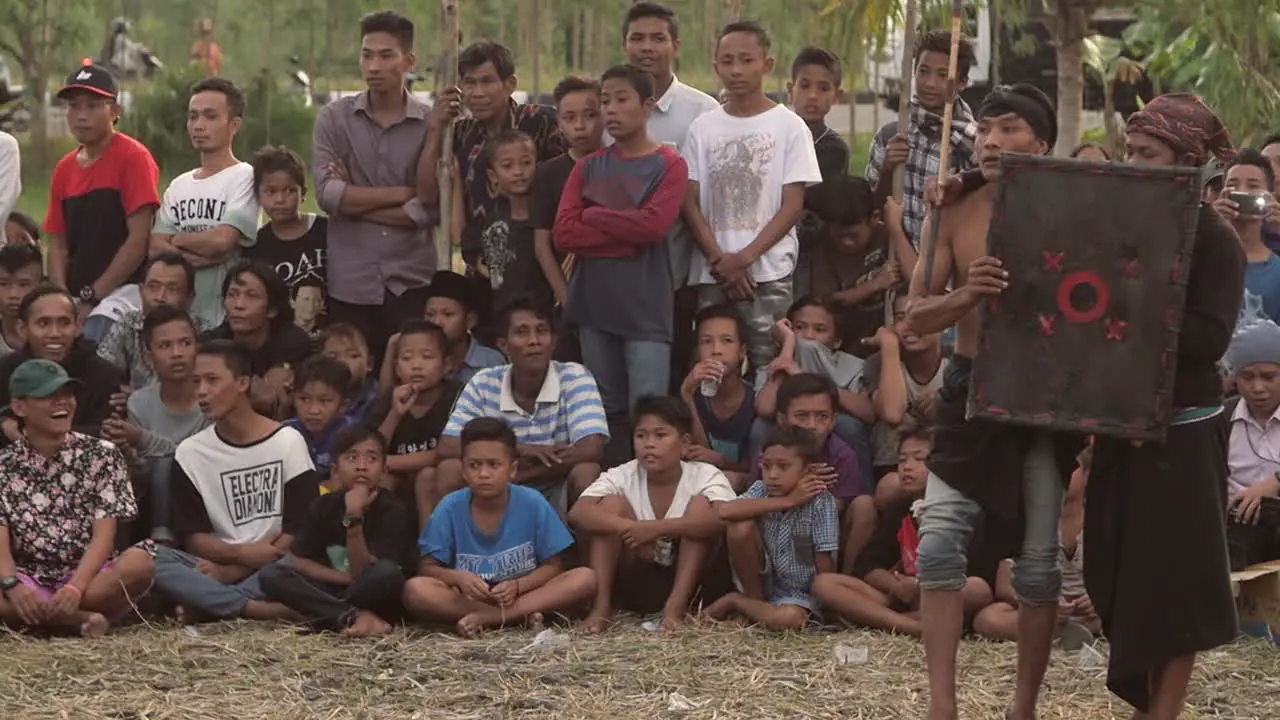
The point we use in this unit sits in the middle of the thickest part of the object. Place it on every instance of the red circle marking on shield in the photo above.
(1100, 289)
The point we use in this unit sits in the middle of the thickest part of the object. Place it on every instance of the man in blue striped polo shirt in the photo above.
(554, 407)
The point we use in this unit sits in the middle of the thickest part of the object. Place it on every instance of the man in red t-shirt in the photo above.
(103, 198)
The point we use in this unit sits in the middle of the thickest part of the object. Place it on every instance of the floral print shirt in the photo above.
(49, 505)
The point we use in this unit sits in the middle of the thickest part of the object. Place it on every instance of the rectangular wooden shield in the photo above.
(1085, 337)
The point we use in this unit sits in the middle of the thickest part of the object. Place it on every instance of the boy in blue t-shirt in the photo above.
(321, 403)
(790, 514)
(490, 553)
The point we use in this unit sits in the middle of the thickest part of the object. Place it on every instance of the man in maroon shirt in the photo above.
(617, 213)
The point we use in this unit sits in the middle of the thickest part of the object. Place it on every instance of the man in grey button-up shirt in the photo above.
(380, 247)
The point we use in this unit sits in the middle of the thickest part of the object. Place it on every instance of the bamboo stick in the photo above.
(445, 165)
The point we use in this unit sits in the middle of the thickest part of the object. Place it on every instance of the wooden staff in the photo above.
(445, 166)
(957, 25)
(906, 88)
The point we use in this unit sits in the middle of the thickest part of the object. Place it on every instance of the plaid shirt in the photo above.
(924, 135)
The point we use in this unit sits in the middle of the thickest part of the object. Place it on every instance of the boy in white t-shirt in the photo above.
(749, 164)
(651, 522)
(209, 213)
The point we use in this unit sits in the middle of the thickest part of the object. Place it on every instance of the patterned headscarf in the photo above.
(1184, 123)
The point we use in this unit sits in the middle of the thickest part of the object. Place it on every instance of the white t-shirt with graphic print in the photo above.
(242, 494)
(741, 165)
(195, 204)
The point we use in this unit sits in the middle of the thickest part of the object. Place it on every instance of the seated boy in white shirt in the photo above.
(651, 522)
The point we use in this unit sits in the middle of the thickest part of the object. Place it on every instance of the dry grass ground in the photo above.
(251, 671)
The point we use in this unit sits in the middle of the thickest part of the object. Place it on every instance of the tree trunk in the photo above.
(1071, 25)
(711, 25)
(536, 46)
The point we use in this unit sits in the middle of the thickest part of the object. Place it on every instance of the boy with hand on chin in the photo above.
(452, 306)
(783, 531)
(413, 414)
(347, 566)
(490, 554)
(652, 523)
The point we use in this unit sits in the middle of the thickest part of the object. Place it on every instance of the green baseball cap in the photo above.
(38, 379)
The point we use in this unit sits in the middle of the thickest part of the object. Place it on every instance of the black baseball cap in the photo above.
(91, 78)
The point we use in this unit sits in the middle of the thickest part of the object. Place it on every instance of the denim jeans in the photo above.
(950, 518)
(332, 607)
(177, 577)
(625, 371)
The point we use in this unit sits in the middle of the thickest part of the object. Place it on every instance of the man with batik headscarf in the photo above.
(1011, 479)
(1158, 572)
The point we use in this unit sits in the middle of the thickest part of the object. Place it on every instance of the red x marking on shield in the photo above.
(1053, 260)
(1115, 329)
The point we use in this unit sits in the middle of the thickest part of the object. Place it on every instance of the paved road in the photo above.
(865, 118)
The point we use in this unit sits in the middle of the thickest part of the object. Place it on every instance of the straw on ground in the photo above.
(250, 671)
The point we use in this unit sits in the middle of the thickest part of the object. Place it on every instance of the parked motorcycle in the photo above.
(126, 58)
(300, 82)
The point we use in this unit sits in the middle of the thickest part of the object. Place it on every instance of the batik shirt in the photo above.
(50, 505)
(924, 136)
(123, 347)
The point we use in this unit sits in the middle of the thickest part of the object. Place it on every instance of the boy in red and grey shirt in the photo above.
(618, 209)
(103, 198)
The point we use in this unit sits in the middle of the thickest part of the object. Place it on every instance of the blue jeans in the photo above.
(950, 518)
(625, 371)
(96, 327)
(177, 577)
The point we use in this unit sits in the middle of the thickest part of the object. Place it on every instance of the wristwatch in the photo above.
(7, 584)
(349, 521)
(87, 295)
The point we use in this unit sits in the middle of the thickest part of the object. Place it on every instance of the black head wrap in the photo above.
(1027, 102)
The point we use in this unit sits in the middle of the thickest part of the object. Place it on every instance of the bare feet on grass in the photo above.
(671, 623)
(535, 622)
(94, 625)
(367, 624)
(724, 608)
(598, 621)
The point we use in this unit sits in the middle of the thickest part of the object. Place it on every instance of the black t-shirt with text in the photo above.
(419, 433)
(300, 263)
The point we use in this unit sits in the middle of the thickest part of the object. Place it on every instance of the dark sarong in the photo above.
(1157, 570)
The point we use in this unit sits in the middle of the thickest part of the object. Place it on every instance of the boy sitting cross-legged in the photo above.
(346, 571)
(811, 402)
(652, 523)
(783, 531)
(490, 553)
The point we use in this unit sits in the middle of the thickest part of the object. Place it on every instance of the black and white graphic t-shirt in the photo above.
(300, 262)
(242, 494)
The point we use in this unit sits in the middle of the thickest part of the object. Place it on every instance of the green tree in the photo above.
(39, 35)
(1227, 52)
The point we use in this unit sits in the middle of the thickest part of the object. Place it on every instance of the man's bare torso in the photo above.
(962, 238)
